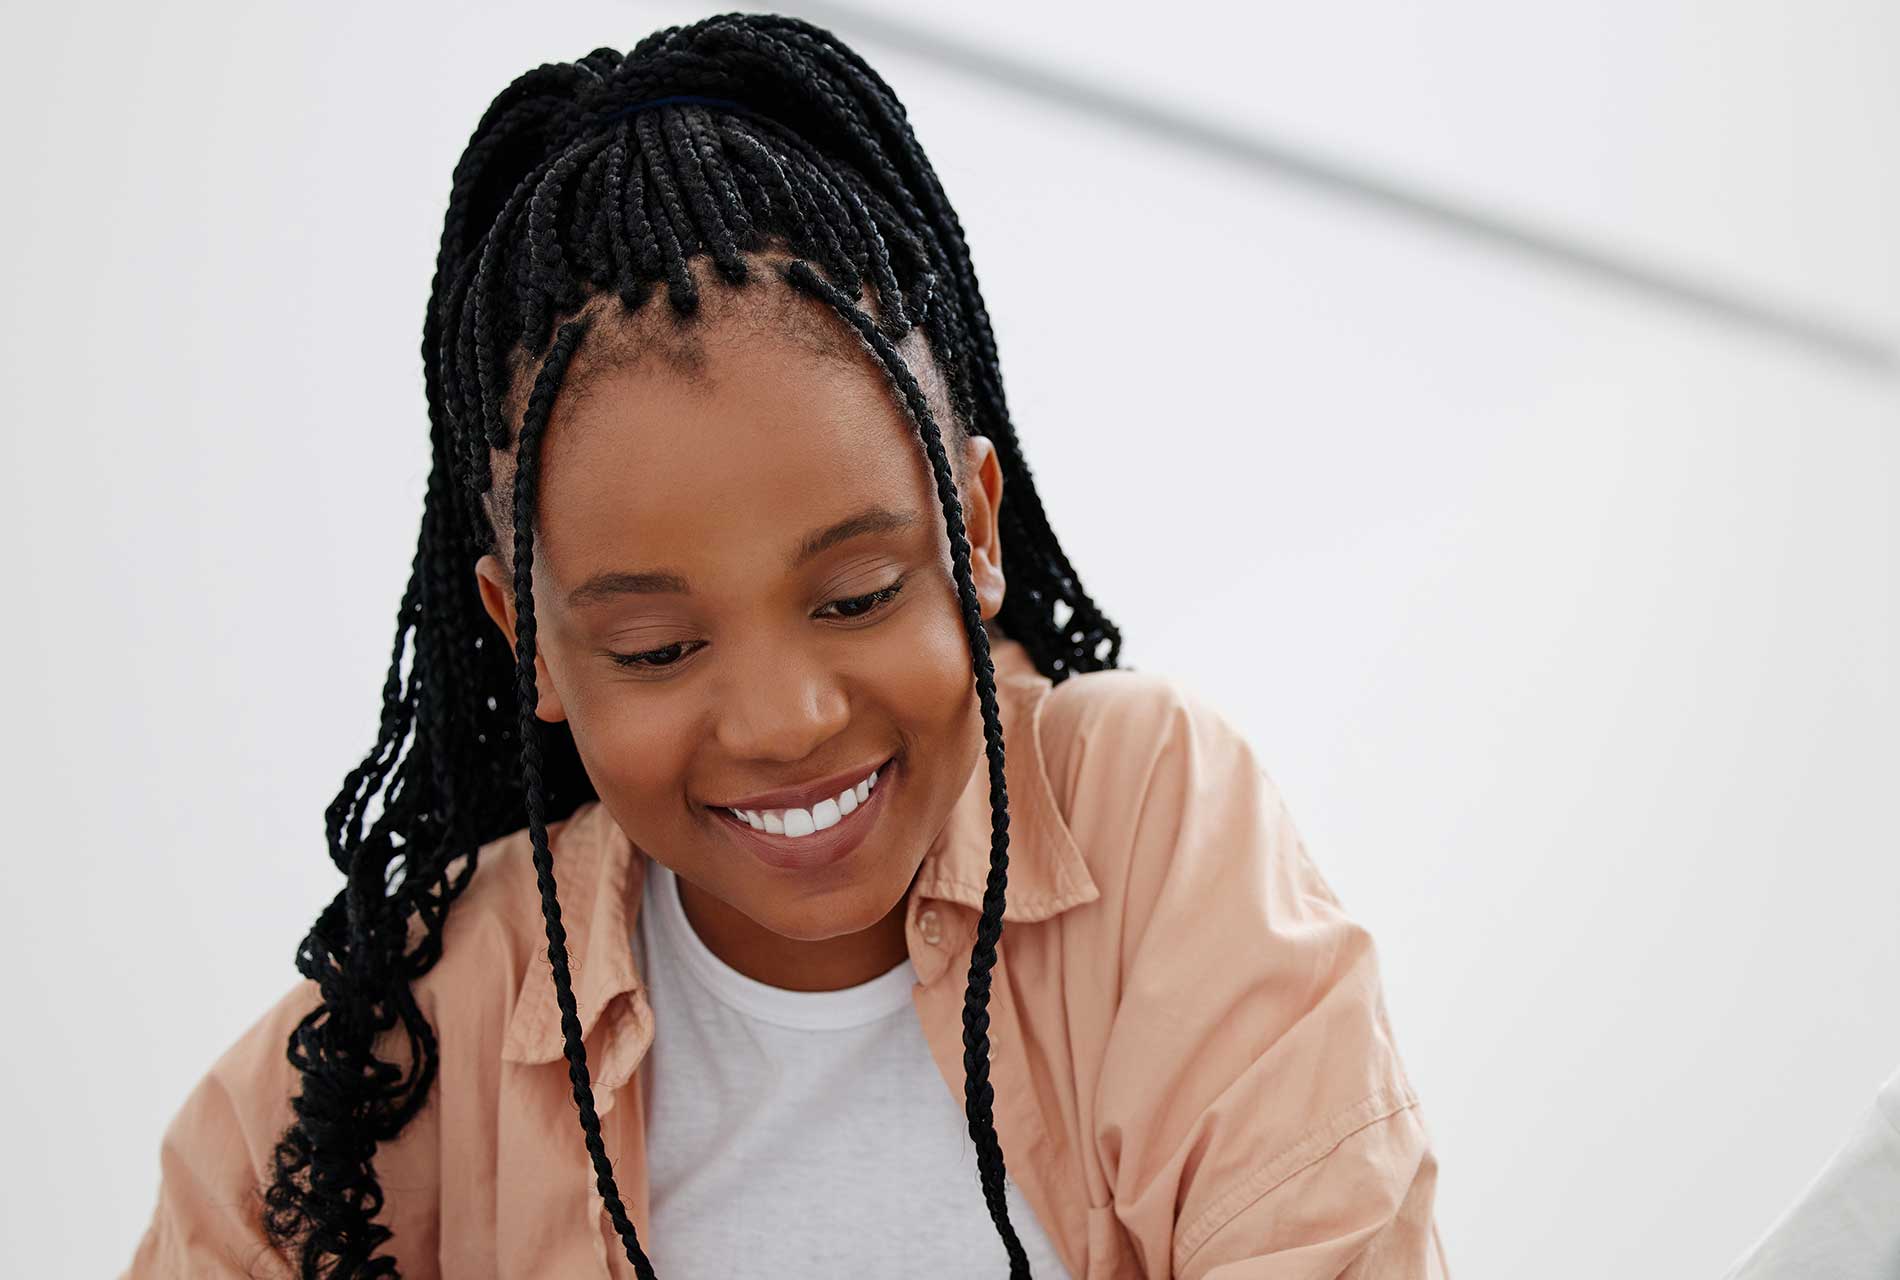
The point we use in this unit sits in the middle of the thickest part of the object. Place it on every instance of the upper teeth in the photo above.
(802, 822)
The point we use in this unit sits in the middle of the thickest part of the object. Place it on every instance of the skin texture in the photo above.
(712, 449)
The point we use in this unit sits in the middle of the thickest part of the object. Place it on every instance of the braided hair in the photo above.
(742, 140)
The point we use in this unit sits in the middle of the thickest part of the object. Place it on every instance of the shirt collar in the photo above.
(1047, 874)
(600, 875)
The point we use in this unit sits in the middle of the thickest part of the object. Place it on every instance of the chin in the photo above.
(849, 909)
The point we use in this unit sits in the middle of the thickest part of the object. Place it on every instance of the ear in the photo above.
(498, 597)
(982, 499)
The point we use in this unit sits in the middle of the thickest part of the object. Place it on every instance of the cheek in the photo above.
(635, 750)
(932, 688)
(928, 665)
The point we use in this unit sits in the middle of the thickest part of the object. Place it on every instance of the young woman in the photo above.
(756, 785)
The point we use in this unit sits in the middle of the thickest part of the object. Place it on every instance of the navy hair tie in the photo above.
(678, 99)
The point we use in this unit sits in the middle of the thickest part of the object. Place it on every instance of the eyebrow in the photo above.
(611, 584)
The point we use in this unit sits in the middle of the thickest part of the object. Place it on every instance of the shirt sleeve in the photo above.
(215, 1159)
(1251, 1103)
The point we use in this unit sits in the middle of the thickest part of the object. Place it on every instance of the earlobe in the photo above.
(498, 601)
(983, 525)
(548, 705)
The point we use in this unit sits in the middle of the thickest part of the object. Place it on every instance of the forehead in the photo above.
(714, 445)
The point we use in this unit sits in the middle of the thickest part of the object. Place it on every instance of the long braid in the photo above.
(589, 183)
(527, 470)
(977, 1093)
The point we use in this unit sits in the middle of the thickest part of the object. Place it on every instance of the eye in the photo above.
(850, 608)
(863, 606)
(648, 659)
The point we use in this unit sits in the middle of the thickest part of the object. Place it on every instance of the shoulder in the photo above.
(494, 930)
(1118, 743)
(218, 1148)
(1180, 822)
(490, 934)
(1131, 716)
(1243, 1060)
(1092, 699)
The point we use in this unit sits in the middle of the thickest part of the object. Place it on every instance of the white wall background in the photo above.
(1564, 614)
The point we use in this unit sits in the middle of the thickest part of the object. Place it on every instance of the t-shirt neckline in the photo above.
(800, 1010)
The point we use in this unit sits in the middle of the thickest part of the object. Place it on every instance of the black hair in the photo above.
(740, 139)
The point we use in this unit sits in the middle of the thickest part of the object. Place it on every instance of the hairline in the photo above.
(825, 335)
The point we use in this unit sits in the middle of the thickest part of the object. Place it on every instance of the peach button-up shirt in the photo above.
(1194, 1074)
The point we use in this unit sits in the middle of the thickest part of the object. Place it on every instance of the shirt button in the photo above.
(928, 926)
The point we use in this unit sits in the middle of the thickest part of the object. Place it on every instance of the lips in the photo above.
(820, 848)
(805, 794)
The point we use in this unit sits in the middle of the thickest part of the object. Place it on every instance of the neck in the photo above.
(830, 964)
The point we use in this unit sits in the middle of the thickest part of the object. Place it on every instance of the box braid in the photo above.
(740, 140)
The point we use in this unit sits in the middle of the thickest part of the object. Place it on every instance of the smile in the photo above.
(797, 823)
(794, 839)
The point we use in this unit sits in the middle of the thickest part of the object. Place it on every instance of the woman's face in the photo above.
(711, 627)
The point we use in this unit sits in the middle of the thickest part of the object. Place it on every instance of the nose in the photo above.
(781, 705)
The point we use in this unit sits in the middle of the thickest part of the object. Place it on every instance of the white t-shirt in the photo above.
(804, 1132)
(1846, 1225)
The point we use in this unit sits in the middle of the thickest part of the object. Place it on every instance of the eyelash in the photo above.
(875, 601)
